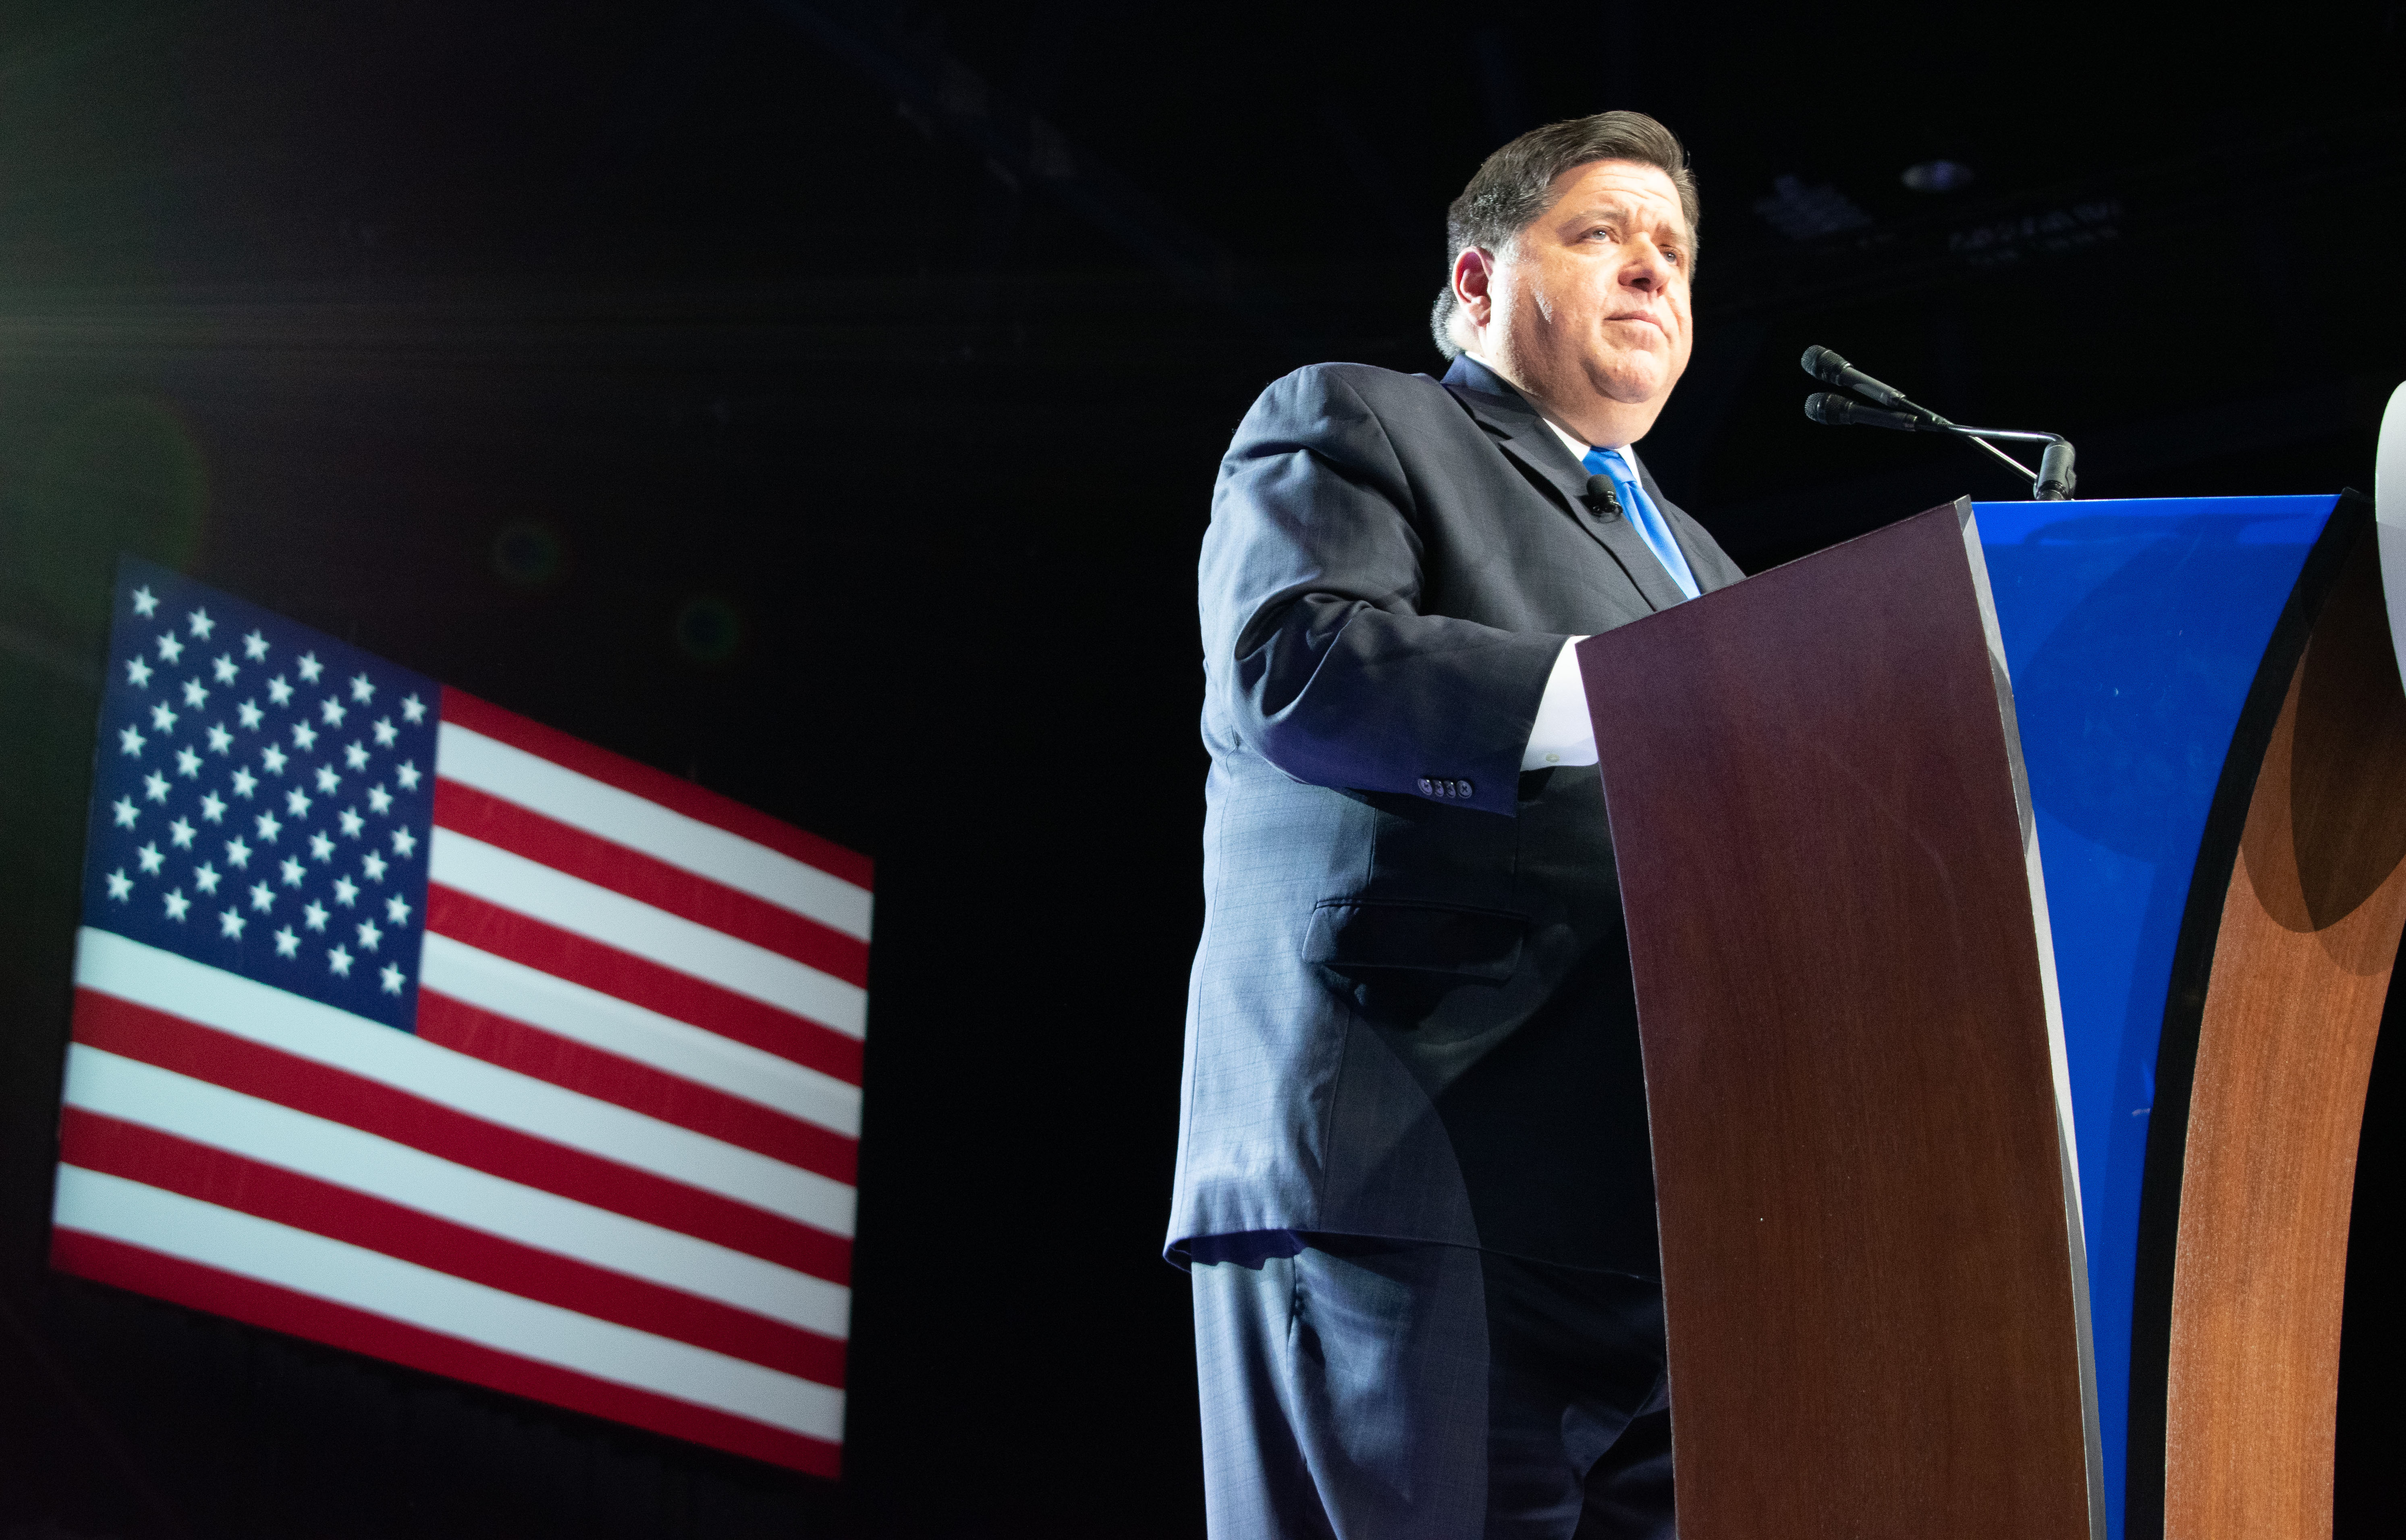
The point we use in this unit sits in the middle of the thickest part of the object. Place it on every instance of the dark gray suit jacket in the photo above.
(1410, 1012)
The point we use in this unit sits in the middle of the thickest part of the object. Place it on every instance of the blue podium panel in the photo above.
(2133, 632)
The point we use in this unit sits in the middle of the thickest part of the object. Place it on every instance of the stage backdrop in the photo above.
(409, 1025)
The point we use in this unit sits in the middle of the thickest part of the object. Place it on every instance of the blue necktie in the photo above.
(1644, 516)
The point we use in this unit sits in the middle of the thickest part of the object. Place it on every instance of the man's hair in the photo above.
(1516, 184)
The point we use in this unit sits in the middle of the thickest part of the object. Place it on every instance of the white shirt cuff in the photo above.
(1562, 735)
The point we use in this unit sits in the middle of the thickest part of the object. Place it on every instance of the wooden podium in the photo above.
(1875, 1261)
(1871, 1266)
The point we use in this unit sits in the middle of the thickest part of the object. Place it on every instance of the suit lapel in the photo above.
(1672, 517)
(1528, 443)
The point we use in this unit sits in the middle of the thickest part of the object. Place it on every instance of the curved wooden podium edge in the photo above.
(2279, 976)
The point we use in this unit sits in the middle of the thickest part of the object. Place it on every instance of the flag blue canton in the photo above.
(263, 797)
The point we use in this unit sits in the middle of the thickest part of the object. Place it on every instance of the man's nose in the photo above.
(1645, 270)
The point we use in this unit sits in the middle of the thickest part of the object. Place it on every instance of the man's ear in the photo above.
(1472, 269)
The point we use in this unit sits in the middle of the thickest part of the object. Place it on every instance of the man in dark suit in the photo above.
(1413, 1181)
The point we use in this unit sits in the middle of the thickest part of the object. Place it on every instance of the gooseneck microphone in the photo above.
(1838, 412)
(2052, 482)
(1830, 369)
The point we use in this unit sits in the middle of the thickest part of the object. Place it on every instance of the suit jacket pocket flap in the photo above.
(1349, 935)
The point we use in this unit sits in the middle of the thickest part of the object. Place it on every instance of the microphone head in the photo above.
(1824, 365)
(1834, 411)
(1603, 497)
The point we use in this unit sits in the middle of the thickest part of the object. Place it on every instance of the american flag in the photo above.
(406, 1024)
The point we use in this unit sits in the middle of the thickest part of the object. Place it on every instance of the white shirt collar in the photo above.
(1578, 451)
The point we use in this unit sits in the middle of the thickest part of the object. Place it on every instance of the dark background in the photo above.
(822, 402)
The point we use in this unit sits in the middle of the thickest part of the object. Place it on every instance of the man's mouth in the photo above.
(1637, 315)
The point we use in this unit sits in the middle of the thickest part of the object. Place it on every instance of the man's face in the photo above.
(1587, 307)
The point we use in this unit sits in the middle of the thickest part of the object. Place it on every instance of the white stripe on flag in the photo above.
(598, 808)
(195, 1109)
(249, 1247)
(603, 914)
(177, 987)
(540, 1000)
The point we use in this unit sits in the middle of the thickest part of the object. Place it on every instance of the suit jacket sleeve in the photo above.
(1318, 652)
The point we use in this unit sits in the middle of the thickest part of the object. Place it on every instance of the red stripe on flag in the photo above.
(565, 954)
(288, 1310)
(500, 1039)
(650, 879)
(120, 1149)
(171, 1042)
(669, 791)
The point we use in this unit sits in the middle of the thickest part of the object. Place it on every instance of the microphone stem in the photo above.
(2028, 474)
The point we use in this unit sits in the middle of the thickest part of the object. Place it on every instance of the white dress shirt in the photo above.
(1562, 735)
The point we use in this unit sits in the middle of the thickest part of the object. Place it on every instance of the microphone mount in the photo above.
(2052, 482)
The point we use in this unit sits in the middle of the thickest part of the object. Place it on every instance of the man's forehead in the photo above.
(1619, 182)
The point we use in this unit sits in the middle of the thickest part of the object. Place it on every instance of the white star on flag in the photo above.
(340, 961)
(263, 898)
(254, 646)
(406, 773)
(144, 602)
(362, 692)
(121, 887)
(369, 935)
(177, 903)
(414, 710)
(396, 910)
(131, 740)
(150, 858)
(373, 866)
(386, 733)
(238, 853)
(392, 976)
(330, 711)
(296, 804)
(138, 674)
(188, 764)
(204, 877)
(404, 844)
(223, 668)
(268, 827)
(245, 783)
(201, 624)
(379, 799)
(354, 755)
(347, 891)
(321, 847)
(250, 715)
(293, 871)
(161, 719)
(287, 944)
(314, 915)
(274, 759)
(169, 648)
(181, 832)
(154, 787)
(230, 923)
(328, 782)
(220, 740)
(305, 737)
(125, 811)
(278, 692)
(194, 696)
(351, 821)
(310, 668)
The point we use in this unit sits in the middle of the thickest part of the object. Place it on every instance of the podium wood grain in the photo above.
(2308, 933)
(1873, 1309)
